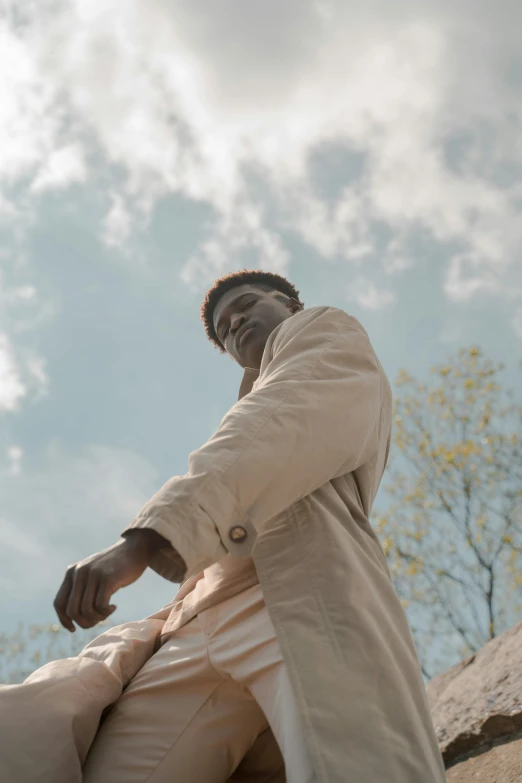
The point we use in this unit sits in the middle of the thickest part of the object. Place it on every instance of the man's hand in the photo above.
(88, 585)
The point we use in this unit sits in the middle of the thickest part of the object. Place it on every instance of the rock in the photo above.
(500, 764)
(478, 703)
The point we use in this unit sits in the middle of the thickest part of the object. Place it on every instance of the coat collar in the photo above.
(250, 376)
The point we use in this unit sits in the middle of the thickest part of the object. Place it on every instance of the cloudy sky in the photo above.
(371, 152)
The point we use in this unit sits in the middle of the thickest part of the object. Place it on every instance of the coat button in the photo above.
(237, 533)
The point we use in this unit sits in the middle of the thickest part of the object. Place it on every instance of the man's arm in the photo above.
(88, 586)
(313, 415)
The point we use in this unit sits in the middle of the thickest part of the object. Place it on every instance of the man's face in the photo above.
(245, 316)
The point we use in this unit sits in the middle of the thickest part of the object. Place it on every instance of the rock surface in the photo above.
(478, 703)
(501, 764)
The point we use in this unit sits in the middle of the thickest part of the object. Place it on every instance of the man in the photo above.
(286, 654)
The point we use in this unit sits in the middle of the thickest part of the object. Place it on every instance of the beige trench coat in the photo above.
(296, 464)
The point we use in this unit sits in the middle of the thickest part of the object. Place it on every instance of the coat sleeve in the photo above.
(312, 416)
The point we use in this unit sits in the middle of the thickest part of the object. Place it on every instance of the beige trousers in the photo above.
(197, 706)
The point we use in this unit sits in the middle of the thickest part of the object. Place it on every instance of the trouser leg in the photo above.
(244, 645)
(48, 723)
(179, 721)
(199, 705)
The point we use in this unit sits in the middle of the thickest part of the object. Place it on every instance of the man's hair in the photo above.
(267, 281)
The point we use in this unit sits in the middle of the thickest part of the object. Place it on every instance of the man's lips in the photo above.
(241, 335)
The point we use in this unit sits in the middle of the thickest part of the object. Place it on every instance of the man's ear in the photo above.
(295, 305)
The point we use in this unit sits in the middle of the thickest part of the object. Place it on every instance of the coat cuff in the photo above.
(233, 524)
(197, 538)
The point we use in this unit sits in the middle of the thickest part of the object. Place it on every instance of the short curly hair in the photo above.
(267, 281)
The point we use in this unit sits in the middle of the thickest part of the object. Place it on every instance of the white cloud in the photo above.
(19, 376)
(36, 367)
(22, 370)
(232, 235)
(398, 258)
(14, 455)
(228, 105)
(29, 120)
(19, 294)
(368, 295)
(63, 167)
(339, 230)
(12, 388)
(117, 227)
(466, 277)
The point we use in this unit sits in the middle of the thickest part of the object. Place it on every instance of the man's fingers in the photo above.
(76, 595)
(62, 598)
(103, 596)
(83, 598)
(89, 615)
(88, 586)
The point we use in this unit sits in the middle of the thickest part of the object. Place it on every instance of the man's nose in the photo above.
(236, 321)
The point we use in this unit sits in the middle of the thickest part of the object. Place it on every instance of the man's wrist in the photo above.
(146, 538)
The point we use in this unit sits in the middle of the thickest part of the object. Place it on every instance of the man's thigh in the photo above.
(178, 720)
(244, 645)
